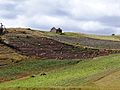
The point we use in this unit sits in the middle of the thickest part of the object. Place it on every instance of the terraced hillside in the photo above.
(89, 42)
(46, 48)
(40, 59)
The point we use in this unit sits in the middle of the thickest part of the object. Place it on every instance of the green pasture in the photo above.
(79, 74)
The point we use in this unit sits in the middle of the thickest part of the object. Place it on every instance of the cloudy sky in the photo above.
(86, 16)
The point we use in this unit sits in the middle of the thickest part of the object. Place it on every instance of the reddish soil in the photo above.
(47, 48)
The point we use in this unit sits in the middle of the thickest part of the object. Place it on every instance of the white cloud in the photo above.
(91, 25)
(71, 15)
(94, 8)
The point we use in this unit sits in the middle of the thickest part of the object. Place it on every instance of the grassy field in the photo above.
(31, 67)
(111, 80)
(102, 37)
(84, 73)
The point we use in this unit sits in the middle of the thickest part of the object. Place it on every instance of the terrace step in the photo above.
(50, 49)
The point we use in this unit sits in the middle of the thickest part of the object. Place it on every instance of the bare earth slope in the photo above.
(38, 45)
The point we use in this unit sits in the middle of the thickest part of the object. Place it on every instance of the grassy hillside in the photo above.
(45, 47)
(84, 73)
(39, 59)
(31, 67)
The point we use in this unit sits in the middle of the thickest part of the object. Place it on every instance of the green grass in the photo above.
(80, 35)
(113, 38)
(32, 67)
(76, 75)
(102, 37)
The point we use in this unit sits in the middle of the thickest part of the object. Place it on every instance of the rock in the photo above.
(43, 74)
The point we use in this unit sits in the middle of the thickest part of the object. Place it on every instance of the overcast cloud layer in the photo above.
(87, 16)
